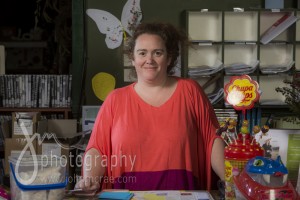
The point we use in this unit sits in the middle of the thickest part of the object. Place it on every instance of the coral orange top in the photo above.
(156, 148)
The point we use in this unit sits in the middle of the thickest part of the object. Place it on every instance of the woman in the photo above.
(158, 133)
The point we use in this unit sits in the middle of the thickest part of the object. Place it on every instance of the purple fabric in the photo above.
(161, 180)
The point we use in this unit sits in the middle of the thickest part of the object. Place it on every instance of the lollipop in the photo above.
(231, 129)
(223, 128)
(256, 129)
(233, 122)
(265, 129)
(245, 123)
(244, 130)
(227, 120)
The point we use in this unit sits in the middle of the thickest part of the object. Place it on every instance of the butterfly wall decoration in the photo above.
(112, 27)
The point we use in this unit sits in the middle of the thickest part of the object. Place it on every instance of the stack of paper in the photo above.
(216, 97)
(171, 195)
(279, 68)
(205, 70)
(241, 68)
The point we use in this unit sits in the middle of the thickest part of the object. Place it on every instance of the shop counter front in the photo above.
(148, 195)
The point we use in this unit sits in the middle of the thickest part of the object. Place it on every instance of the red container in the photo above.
(237, 154)
(247, 188)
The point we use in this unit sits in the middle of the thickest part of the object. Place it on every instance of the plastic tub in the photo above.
(37, 177)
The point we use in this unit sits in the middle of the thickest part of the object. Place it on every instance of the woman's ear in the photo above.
(132, 59)
(169, 61)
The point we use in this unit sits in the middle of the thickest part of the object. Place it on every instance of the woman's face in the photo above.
(150, 58)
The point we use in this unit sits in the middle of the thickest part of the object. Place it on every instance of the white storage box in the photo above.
(37, 177)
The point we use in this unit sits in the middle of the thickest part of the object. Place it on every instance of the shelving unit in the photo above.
(276, 54)
(267, 85)
(267, 18)
(25, 55)
(233, 38)
(297, 57)
(45, 93)
(240, 26)
(24, 44)
(239, 54)
(297, 49)
(204, 55)
(205, 26)
(65, 111)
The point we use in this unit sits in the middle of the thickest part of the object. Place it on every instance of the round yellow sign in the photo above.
(103, 83)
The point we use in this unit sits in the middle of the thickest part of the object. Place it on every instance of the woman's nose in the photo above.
(149, 59)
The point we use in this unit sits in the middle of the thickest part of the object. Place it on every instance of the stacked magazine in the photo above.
(241, 68)
(278, 68)
(205, 70)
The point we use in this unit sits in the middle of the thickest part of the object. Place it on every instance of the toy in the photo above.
(264, 178)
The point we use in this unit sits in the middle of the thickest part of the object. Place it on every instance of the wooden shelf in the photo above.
(24, 44)
(65, 111)
(243, 47)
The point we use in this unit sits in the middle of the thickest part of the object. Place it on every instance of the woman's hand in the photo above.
(92, 171)
(88, 184)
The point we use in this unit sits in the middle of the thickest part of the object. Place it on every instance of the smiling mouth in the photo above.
(150, 68)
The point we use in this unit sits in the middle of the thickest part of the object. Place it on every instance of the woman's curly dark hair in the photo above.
(175, 39)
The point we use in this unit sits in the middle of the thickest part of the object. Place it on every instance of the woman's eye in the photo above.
(158, 53)
(141, 53)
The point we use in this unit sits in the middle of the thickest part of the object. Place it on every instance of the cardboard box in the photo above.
(24, 123)
(60, 128)
(14, 146)
(5, 127)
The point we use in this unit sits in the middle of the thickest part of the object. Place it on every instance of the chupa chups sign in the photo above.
(242, 92)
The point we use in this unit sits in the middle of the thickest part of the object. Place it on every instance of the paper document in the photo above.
(172, 195)
(278, 27)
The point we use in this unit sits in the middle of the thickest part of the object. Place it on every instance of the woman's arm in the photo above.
(92, 171)
(217, 158)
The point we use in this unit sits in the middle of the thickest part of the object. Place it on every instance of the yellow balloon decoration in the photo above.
(103, 83)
